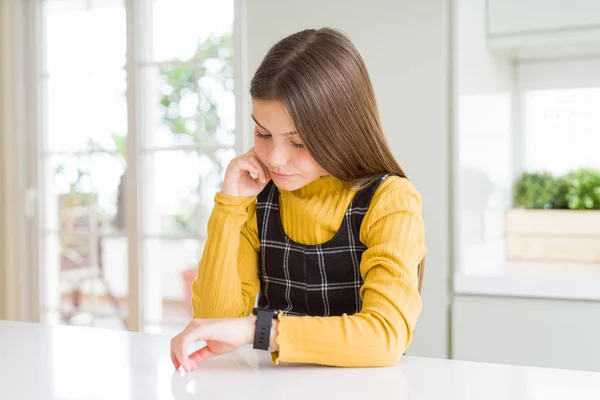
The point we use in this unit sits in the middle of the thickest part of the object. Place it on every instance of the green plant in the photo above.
(210, 67)
(577, 190)
(583, 189)
(539, 190)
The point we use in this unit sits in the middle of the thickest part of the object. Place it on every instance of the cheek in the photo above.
(261, 149)
(307, 164)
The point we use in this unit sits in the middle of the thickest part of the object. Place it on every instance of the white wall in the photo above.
(405, 46)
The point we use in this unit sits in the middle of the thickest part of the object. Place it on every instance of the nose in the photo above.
(278, 156)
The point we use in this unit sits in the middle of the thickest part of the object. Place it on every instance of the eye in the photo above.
(261, 136)
(298, 145)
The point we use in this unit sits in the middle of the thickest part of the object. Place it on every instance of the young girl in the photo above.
(317, 218)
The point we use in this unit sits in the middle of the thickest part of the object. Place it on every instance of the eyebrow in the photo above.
(257, 123)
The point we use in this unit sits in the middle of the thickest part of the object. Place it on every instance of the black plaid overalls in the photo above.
(317, 280)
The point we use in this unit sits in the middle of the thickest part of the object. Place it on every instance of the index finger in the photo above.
(182, 342)
(176, 363)
(179, 348)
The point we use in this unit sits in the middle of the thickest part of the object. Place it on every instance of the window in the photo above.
(562, 129)
(541, 117)
(186, 114)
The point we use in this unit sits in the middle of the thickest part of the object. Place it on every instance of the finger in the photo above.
(202, 355)
(255, 161)
(262, 171)
(176, 363)
(257, 172)
(179, 350)
(246, 165)
(192, 333)
(265, 168)
(267, 175)
(251, 155)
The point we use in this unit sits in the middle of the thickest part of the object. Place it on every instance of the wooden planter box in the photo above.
(553, 235)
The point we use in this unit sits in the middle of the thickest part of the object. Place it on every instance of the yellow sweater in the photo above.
(392, 230)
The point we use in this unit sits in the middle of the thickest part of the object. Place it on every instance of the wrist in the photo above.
(229, 193)
(272, 342)
(250, 323)
(230, 189)
(251, 330)
(233, 202)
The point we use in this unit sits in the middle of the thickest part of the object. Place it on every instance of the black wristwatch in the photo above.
(264, 322)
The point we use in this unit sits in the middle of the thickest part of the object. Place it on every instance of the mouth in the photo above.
(278, 175)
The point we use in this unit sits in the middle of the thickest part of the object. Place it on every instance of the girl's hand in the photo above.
(221, 336)
(238, 181)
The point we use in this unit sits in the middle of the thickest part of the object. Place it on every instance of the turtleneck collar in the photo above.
(320, 186)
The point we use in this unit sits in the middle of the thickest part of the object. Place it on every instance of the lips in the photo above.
(278, 175)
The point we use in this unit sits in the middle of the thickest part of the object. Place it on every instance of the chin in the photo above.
(288, 184)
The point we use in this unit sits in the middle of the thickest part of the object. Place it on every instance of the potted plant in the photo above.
(555, 218)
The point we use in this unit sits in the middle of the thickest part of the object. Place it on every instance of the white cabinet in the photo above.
(523, 17)
(527, 331)
(543, 28)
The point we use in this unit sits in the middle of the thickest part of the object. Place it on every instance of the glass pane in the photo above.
(85, 280)
(484, 177)
(180, 24)
(86, 111)
(77, 37)
(562, 130)
(187, 134)
(179, 188)
(89, 187)
(187, 81)
(84, 127)
(83, 89)
(170, 268)
(191, 103)
(84, 271)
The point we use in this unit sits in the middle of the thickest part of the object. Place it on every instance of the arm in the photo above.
(377, 336)
(227, 280)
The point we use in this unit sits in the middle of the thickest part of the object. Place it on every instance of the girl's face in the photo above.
(280, 148)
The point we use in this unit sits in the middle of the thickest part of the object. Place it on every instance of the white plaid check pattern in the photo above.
(321, 280)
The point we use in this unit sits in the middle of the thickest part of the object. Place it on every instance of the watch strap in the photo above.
(262, 333)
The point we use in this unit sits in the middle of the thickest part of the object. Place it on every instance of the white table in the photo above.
(42, 363)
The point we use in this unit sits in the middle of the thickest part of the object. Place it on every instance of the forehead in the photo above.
(272, 116)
